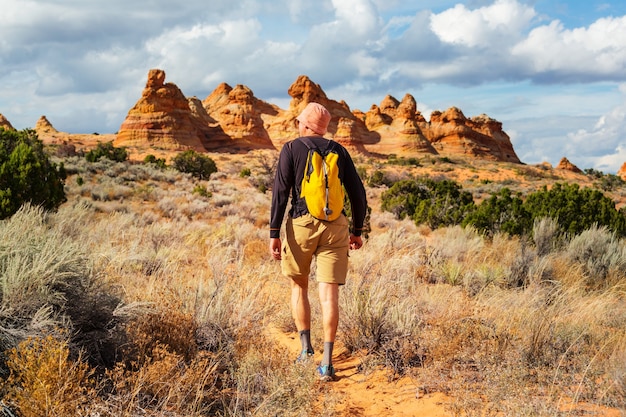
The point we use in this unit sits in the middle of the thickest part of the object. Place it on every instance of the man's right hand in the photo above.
(355, 242)
(275, 247)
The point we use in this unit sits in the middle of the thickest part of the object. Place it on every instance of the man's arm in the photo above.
(283, 182)
(356, 194)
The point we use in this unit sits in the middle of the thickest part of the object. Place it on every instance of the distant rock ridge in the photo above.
(233, 119)
(43, 126)
(565, 164)
(5, 123)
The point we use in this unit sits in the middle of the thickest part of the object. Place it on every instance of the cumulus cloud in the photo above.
(358, 16)
(198, 58)
(604, 145)
(80, 62)
(489, 26)
(580, 54)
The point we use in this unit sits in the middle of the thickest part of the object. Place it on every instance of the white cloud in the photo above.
(306, 12)
(593, 52)
(483, 27)
(355, 25)
(358, 16)
(205, 53)
(603, 146)
(365, 65)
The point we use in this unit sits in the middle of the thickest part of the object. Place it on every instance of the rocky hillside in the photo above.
(234, 120)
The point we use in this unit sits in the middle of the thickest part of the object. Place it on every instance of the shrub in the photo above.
(202, 191)
(379, 323)
(502, 212)
(436, 203)
(245, 172)
(610, 182)
(545, 235)
(166, 327)
(446, 205)
(48, 282)
(593, 173)
(166, 383)
(600, 253)
(108, 151)
(45, 382)
(403, 197)
(377, 179)
(266, 163)
(26, 173)
(158, 162)
(576, 209)
(263, 386)
(402, 161)
(198, 165)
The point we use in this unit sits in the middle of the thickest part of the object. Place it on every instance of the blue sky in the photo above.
(552, 71)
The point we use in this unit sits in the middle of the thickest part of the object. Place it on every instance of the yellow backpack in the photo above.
(321, 187)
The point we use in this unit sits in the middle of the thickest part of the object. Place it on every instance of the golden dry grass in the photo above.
(495, 326)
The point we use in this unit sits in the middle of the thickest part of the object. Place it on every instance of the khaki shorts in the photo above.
(329, 242)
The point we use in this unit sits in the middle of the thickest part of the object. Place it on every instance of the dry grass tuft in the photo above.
(164, 382)
(164, 327)
(45, 381)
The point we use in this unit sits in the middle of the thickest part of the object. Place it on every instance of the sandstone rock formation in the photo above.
(43, 126)
(161, 118)
(164, 118)
(240, 114)
(211, 133)
(622, 172)
(452, 133)
(4, 123)
(399, 126)
(566, 165)
(233, 119)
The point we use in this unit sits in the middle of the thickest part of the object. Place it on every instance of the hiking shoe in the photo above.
(326, 372)
(304, 357)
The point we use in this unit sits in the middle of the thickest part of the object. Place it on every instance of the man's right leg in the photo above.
(301, 241)
(301, 313)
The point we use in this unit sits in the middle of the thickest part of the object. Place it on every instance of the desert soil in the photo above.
(372, 394)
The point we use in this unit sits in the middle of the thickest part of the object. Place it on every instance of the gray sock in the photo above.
(305, 340)
(328, 353)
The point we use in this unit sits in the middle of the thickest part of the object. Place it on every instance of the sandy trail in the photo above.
(372, 394)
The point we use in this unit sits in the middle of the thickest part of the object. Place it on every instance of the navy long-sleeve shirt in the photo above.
(289, 175)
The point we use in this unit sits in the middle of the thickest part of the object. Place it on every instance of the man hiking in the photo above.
(327, 237)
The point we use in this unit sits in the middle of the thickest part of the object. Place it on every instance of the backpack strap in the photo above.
(311, 146)
(307, 142)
